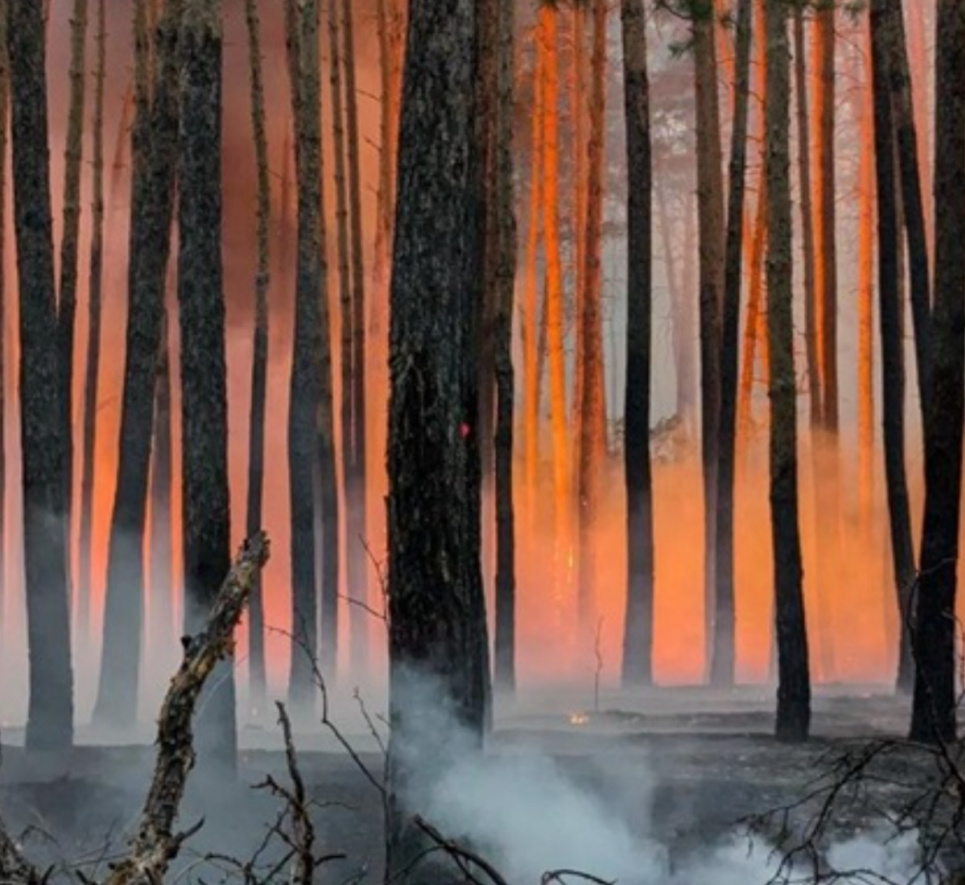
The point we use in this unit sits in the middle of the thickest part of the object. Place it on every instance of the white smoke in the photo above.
(527, 816)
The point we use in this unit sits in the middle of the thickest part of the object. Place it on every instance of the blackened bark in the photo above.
(827, 248)
(933, 713)
(162, 629)
(437, 633)
(154, 142)
(710, 222)
(794, 687)
(504, 669)
(892, 348)
(259, 362)
(92, 369)
(356, 564)
(310, 437)
(50, 711)
(724, 656)
(4, 120)
(638, 625)
(204, 403)
(69, 247)
(807, 213)
(591, 451)
(891, 23)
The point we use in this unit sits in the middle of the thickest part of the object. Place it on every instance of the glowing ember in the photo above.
(579, 719)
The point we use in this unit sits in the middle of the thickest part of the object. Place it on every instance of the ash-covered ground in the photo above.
(663, 778)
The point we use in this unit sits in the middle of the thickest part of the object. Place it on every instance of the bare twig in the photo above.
(462, 856)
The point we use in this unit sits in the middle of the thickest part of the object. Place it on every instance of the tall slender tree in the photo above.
(4, 120)
(154, 144)
(310, 436)
(724, 656)
(807, 213)
(710, 223)
(592, 428)
(355, 543)
(259, 362)
(70, 247)
(437, 624)
(92, 369)
(933, 712)
(201, 309)
(892, 345)
(638, 624)
(890, 22)
(50, 709)
(504, 278)
(794, 686)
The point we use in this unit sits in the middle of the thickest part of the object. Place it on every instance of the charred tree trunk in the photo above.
(437, 634)
(310, 436)
(92, 370)
(592, 428)
(504, 278)
(892, 28)
(355, 481)
(531, 312)
(794, 686)
(933, 714)
(51, 709)
(710, 215)
(154, 139)
(638, 625)
(259, 362)
(69, 247)
(204, 404)
(4, 121)
(724, 655)
(892, 348)
(162, 629)
(826, 264)
(807, 214)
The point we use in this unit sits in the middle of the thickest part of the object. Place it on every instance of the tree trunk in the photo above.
(807, 215)
(531, 365)
(866, 293)
(437, 624)
(548, 19)
(92, 370)
(826, 282)
(725, 650)
(259, 362)
(794, 687)
(154, 140)
(356, 563)
(204, 404)
(892, 347)
(69, 247)
(933, 714)
(4, 122)
(581, 189)
(345, 283)
(710, 218)
(162, 630)
(637, 666)
(504, 670)
(891, 24)
(592, 426)
(310, 435)
(50, 710)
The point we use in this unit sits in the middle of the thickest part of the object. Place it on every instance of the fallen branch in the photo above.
(461, 855)
(156, 843)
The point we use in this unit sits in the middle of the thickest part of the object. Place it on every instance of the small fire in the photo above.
(579, 719)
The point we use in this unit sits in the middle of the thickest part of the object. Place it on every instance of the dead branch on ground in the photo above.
(157, 843)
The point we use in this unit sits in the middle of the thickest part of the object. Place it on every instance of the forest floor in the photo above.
(679, 767)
